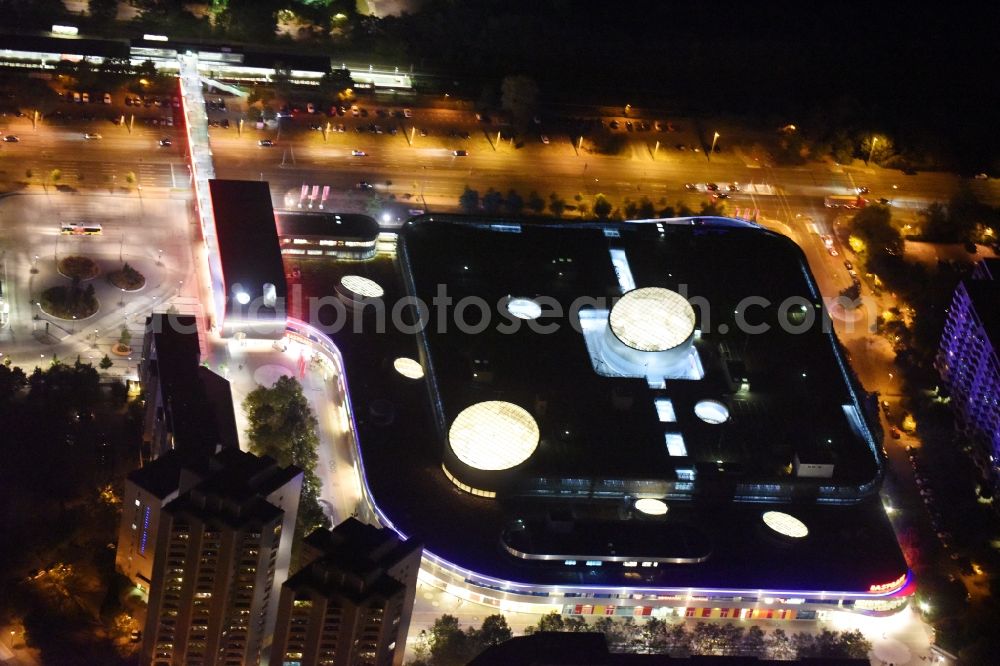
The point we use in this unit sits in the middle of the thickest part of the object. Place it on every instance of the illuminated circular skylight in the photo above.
(408, 368)
(652, 319)
(711, 411)
(524, 308)
(362, 286)
(650, 506)
(242, 297)
(493, 435)
(785, 524)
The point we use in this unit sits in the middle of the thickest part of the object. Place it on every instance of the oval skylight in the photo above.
(362, 286)
(650, 506)
(711, 411)
(493, 435)
(524, 308)
(652, 319)
(785, 524)
(408, 368)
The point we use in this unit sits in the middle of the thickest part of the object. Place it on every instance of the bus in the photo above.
(81, 229)
(851, 201)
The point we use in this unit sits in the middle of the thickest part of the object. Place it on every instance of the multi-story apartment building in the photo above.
(351, 604)
(222, 550)
(969, 361)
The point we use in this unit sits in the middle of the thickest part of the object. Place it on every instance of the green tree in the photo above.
(630, 209)
(106, 362)
(535, 202)
(646, 209)
(514, 203)
(125, 338)
(677, 640)
(551, 622)
(492, 201)
(753, 643)
(469, 200)
(519, 97)
(883, 148)
(12, 380)
(450, 646)
(602, 207)
(282, 425)
(873, 226)
(494, 631)
(556, 205)
(853, 645)
(575, 623)
(779, 646)
(334, 83)
(103, 10)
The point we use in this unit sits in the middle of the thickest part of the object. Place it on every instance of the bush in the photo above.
(127, 278)
(75, 266)
(69, 302)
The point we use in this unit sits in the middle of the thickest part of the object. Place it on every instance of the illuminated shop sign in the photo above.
(885, 587)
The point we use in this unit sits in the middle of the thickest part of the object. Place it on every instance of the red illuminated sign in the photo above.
(885, 587)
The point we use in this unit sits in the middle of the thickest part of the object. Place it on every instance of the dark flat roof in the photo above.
(849, 547)
(69, 45)
(797, 389)
(248, 243)
(198, 400)
(344, 226)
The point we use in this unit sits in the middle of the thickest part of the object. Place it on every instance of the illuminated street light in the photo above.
(712, 149)
(871, 150)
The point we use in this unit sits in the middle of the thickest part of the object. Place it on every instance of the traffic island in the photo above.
(128, 278)
(75, 266)
(69, 303)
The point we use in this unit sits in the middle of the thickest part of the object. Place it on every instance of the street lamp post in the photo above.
(871, 151)
(712, 149)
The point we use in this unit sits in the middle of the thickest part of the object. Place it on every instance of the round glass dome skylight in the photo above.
(785, 524)
(652, 319)
(408, 368)
(650, 506)
(711, 411)
(493, 435)
(362, 286)
(524, 308)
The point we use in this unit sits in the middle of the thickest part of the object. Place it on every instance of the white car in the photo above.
(545, 139)
(93, 136)
(407, 113)
(358, 153)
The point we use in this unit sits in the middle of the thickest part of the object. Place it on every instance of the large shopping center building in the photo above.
(618, 418)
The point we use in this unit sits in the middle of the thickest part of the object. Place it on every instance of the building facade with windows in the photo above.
(222, 550)
(969, 362)
(351, 605)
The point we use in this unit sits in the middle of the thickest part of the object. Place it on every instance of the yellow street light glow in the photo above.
(493, 435)
(408, 368)
(362, 286)
(650, 506)
(652, 319)
(785, 524)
